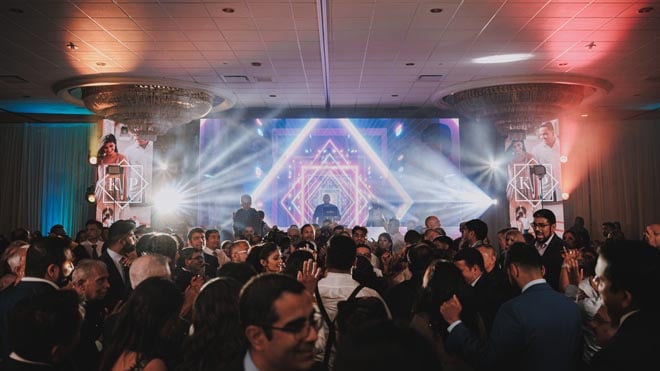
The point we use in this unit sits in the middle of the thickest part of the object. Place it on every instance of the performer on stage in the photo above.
(326, 210)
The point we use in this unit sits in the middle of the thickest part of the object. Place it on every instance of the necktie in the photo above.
(95, 255)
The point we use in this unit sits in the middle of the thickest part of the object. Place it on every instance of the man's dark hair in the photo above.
(545, 213)
(194, 230)
(419, 258)
(94, 222)
(39, 323)
(185, 254)
(359, 228)
(444, 239)
(355, 314)
(471, 257)
(210, 232)
(337, 228)
(386, 346)
(479, 227)
(341, 253)
(258, 296)
(523, 255)
(162, 244)
(241, 272)
(44, 252)
(634, 267)
(412, 237)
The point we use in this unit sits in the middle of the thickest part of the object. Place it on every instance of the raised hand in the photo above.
(309, 275)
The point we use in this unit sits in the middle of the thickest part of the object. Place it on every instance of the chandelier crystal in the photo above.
(149, 107)
(518, 104)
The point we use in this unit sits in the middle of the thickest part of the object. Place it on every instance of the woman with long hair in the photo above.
(115, 183)
(144, 328)
(217, 337)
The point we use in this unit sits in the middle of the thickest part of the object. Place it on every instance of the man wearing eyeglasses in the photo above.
(280, 324)
(548, 244)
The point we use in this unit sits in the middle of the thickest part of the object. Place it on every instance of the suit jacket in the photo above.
(552, 261)
(8, 299)
(634, 347)
(211, 266)
(13, 365)
(486, 300)
(540, 330)
(118, 289)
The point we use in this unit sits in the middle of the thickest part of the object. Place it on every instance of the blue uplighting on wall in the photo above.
(27, 106)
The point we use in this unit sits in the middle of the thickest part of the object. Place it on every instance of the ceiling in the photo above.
(339, 54)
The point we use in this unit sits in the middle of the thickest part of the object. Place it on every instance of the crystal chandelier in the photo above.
(520, 104)
(149, 107)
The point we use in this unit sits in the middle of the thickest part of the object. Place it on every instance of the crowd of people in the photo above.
(327, 297)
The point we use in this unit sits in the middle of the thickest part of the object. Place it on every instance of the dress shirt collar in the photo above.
(208, 251)
(541, 247)
(37, 279)
(474, 283)
(248, 363)
(625, 316)
(20, 359)
(532, 283)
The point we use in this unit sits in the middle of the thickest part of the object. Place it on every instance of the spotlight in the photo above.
(92, 159)
(260, 132)
(494, 201)
(563, 159)
(90, 196)
(398, 130)
(167, 200)
(493, 165)
(258, 172)
(565, 196)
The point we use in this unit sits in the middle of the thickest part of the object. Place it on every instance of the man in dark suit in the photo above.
(549, 245)
(471, 263)
(48, 264)
(43, 330)
(120, 236)
(536, 331)
(628, 278)
(90, 280)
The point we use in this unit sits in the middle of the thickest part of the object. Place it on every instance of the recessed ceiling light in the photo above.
(228, 10)
(256, 64)
(436, 10)
(646, 9)
(71, 46)
(410, 64)
(503, 58)
(584, 115)
(20, 11)
(395, 95)
(563, 64)
(101, 64)
(273, 96)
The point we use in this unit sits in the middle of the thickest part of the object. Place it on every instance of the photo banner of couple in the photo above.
(123, 186)
(534, 175)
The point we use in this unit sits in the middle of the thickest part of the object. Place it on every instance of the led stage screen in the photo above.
(371, 169)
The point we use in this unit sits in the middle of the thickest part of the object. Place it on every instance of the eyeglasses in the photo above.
(539, 225)
(301, 326)
(239, 252)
